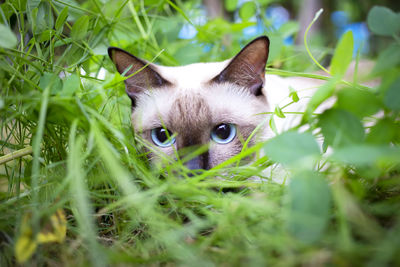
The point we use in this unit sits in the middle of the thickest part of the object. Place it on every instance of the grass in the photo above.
(86, 194)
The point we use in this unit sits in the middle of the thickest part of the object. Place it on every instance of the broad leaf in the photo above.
(341, 128)
(383, 21)
(50, 80)
(71, 84)
(80, 28)
(362, 155)
(310, 203)
(387, 59)
(384, 131)
(392, 96)
(44, 18)
(293, 149)
(359, 102)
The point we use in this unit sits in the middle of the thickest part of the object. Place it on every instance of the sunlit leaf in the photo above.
(279, 112)
(323, 93)
(247, 10)
(343, 54)
(293, 95)
(230, 5)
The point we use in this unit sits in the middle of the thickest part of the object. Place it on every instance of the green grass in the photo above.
(77, 159)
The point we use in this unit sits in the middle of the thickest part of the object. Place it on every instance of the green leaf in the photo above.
(293, 94)
(383, 21)
(323, 93)
(340, 128)
(310, 203)
(71, 85)
(45, 36)
(362, 155)
(32, 4)
(292, 148)
(387, 59)
(385, 131)
(272, 125)
(247, 10)
(359, 102)
(80, 28)
(343, 55)
(7, 37)
(44, 18)
(392, 96)
(62, 17)
(279, 112)
(50, 80)
(230, 5)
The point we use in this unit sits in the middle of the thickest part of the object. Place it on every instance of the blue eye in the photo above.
(162, 137)
(223, 133)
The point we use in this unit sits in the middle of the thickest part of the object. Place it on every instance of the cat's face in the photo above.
(211, 106)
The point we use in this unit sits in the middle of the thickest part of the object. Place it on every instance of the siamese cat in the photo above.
(214, 105)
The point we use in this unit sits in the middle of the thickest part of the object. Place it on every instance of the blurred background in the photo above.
(209, 30)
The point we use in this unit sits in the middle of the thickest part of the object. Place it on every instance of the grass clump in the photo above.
(76, 189)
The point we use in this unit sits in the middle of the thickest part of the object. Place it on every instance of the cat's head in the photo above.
(215, 106)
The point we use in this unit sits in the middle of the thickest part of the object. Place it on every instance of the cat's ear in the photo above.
(142, 74)
(247, 68)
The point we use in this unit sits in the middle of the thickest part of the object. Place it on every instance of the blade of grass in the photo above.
(80, 198)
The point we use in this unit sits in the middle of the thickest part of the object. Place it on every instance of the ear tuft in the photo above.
(142, 75)
(247, 68)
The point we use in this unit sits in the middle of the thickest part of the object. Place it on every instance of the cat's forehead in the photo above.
(193, 76)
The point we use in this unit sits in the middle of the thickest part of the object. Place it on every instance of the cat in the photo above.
(213, 105)
(216, 106)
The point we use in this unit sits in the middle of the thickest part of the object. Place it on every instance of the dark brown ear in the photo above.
(142, 75)
(247, 68)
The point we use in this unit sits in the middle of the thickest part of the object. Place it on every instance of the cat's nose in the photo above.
(194, 164)
(198, 163)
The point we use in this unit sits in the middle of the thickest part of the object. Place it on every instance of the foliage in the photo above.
(69, 158)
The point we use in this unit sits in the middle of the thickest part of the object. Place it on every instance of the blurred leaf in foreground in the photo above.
(383, 21)
(7, 37)
(392, 97)
(310, 203)
(341, 128)
(293, 149)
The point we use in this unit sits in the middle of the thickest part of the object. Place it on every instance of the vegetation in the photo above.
(76, 188)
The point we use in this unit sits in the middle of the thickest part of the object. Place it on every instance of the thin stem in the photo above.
(305, 41)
